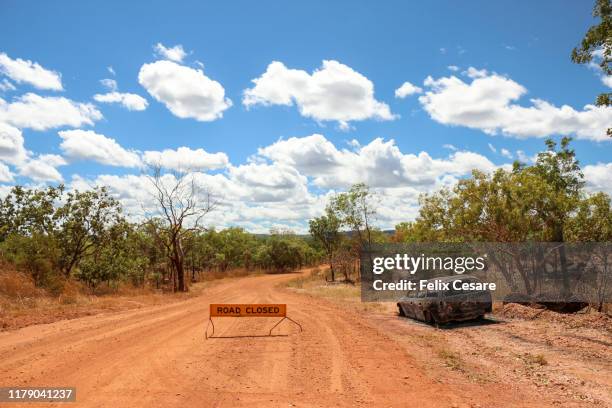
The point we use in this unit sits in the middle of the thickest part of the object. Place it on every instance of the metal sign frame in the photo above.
(282, 314)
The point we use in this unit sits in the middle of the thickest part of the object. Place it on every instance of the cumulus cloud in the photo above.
(186, 92)
(489, 103)
(290, 181)
(130, 101)
(243, 200)
(12, 149)
(176, 53)
(407, 89)
(87, 145)
(598, 176)
(43, 168)
(6, 175)
(6, 85)
(380, 164)
(334, 92)
(270, 182)
(26, 71)
(44, 112)
(185, 158)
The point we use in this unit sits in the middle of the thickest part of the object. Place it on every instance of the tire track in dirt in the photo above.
(157, 357)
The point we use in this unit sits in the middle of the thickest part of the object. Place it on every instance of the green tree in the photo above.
(84, 222)
(356, 210)
(597, 43)
(29, 211)
(326, 230)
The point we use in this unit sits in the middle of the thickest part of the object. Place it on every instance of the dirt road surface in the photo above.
(158, 357)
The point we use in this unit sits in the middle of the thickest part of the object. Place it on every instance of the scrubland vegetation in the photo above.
(62, 247)
(61, 244)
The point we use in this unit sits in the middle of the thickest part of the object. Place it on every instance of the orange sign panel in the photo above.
(247, 310)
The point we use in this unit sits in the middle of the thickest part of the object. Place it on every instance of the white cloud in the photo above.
(185, 158)
(5, 174)
(290, 181)
(598, 176)
(186, 92)
(130, 101)
(243, 199)
(380, 164)
(176, 53)
(488, 103)
(30, 72)
(492, 148)
(43, 168)
(449, 146)
(274, 182)
(12, 149)
(475, 73)
(109, 84)
(45, 112)
(598, 56)
(453, 68)
(334, 92)
(524, 158)
(111, 70)
(87, 145)
(506, 153)
(6, 85)
(407, 89)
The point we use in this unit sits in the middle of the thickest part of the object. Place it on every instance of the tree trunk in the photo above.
(558, 237)
(180, 273)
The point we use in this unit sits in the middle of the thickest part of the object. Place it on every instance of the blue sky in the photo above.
(524, 44)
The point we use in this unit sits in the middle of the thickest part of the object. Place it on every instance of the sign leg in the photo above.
(210, 323)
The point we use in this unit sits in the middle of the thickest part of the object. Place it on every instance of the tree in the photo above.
(84, 222)
(356, 209)
(181, 205)
(544, 202)
(325, 229)
(597, 43)
(119, 259)
(29, 211)
(592, 221)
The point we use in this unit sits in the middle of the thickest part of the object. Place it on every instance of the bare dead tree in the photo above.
(181, 205)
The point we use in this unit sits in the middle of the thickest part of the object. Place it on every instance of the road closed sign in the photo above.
(247, 310)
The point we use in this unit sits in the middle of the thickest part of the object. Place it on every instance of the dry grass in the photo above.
(23, 304)
(451, 360)
(17, 285)
(349, 293)
(207, 276)
(534, 359)
(315, 284)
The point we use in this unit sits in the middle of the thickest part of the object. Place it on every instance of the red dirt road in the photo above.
(158, 357)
